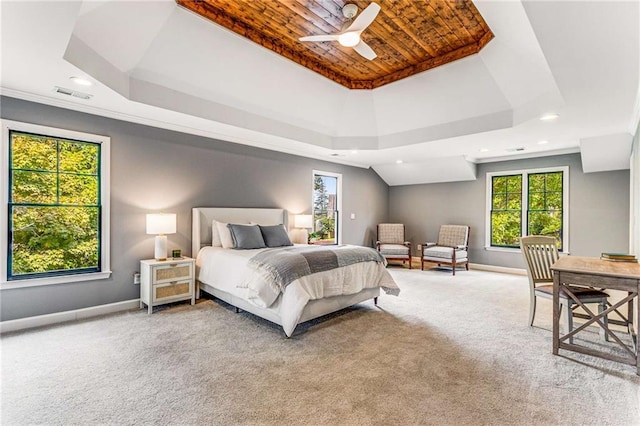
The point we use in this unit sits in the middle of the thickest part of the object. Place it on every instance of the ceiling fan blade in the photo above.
(365, 18)
(363, 49)
(324, 37)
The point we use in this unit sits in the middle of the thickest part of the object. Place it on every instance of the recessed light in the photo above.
(543, 142)
(484, 149)
(399, 161)
(549, 116)
(354, 151)
(81, 81)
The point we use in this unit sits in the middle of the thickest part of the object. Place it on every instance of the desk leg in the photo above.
(556, 311)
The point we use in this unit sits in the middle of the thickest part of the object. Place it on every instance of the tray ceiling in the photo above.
(408, 36)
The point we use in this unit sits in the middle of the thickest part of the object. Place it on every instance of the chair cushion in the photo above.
(394, 250)
(445, 253)
(580, 292)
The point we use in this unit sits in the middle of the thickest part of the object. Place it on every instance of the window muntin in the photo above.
(527, 202)
(54, 206)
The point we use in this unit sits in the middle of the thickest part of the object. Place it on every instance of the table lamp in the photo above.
(160, 224)
(302, 222)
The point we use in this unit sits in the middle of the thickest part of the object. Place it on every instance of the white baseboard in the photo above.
(501, 269)
(58, 317)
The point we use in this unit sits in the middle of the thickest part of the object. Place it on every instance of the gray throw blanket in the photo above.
(285, 265)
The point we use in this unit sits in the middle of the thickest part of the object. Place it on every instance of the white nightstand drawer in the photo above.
(172, 272)
(171, 290)
(166, 281)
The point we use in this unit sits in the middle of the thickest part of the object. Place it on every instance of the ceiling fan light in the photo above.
(349, 39)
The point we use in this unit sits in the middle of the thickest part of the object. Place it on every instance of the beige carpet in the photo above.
(447, 351)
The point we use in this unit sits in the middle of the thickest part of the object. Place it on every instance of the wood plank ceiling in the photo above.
(409, 36)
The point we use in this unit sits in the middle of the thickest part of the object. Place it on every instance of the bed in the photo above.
(230, 275)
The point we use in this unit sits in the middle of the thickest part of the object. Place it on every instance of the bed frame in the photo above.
(201, 236)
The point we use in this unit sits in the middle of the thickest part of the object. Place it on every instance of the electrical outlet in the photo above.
(419, 247)
(136, 278)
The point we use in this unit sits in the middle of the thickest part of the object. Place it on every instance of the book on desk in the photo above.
(618, 257)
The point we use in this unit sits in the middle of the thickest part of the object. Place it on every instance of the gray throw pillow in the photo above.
(246, 236)
(275, 236)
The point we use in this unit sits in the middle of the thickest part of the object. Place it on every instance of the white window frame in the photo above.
(105, 161)
(338, 201)
(525, 204)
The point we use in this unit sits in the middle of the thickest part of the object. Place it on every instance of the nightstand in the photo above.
(166, 281)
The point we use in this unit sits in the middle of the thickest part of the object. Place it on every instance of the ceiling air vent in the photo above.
(518, 149)
(73, 93)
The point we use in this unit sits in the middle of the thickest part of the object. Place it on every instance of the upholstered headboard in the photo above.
(203, 216)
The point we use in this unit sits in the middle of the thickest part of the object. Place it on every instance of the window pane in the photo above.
(33, 187)
(499, 184)
(536, 182)
(515, 184)
(78, 189)
(78, 157)
(554, 200)
(554, 181)
(546, 223)
(49, 239)
(505, 229)
(514, 201)
(33, 152)
(325, 214)
(499, 202)
(536, 201)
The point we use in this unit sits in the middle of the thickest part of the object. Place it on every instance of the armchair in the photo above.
(451, 249)
(391, 243)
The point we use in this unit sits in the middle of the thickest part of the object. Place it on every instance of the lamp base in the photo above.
(299, 236)
(160, 252)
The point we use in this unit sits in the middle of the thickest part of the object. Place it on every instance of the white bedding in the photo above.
(227, 270)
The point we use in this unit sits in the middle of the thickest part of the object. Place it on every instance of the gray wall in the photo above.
(159, 170)
(598, 209)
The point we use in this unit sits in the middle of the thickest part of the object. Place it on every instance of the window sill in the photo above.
(37, 282)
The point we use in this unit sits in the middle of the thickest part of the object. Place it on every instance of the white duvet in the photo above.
(227, 270)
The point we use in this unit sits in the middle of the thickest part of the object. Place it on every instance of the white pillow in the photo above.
(225, 235)
(215, 235)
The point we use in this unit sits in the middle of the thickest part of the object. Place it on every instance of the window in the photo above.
(326, 207)
(56, 208)
(528, 202)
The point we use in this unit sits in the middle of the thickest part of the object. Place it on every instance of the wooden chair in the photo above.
(391, 242)
(451, 249)
(540, 253)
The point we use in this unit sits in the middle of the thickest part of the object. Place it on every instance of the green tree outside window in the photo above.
(54, 206)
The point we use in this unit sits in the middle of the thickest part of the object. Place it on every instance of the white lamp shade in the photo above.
(161, 223)
(303, 221)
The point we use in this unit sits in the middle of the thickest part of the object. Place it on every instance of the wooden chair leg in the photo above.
(532, 310)
(466, 265)
(454, 268)
(410, 260)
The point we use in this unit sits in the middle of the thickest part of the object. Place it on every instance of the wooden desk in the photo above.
(598, 273)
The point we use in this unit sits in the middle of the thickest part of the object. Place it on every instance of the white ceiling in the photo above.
(155, 63)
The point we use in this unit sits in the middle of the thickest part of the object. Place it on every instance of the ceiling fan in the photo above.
(350, 37)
